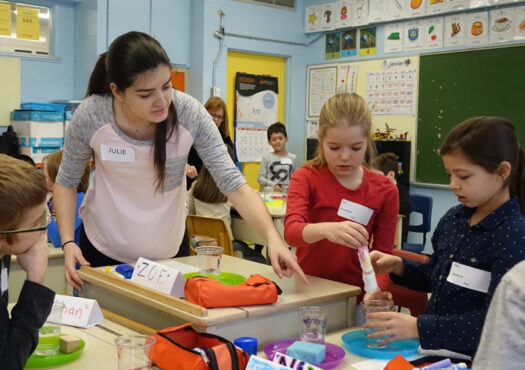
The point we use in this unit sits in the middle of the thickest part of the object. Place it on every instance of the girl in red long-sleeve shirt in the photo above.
(335, 204)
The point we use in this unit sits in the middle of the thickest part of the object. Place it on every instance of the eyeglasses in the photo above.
(46, 219)
(216, 116)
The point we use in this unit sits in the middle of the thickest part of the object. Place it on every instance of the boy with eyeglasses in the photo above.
(23, 221)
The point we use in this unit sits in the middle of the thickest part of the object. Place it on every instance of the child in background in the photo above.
(23, 222)
(51, 165)
(387, 164)
(335, 203)
(277, 166)
(205, 199)
(475, 243)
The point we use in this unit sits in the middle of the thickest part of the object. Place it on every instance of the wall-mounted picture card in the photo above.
(499, 2)
(378, 11)
(416, 8)
(473, 4)
(436, 6)
(413, 38)
(349, 43)
(312, 19)
(394, 37)
(433, 32)
(519, 24)
(346, 78)
(344, 14)
(398, 9)
(328, 16)
(332, 47)
(455, 30)
(501, 25)
(477, 28)
(367, 41)
(360, 12)
(456, 5)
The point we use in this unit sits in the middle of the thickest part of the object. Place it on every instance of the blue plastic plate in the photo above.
(355, 342)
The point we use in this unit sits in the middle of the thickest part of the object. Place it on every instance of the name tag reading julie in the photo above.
(117, 154)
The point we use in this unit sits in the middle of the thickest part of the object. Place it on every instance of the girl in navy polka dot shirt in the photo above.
(475, 243)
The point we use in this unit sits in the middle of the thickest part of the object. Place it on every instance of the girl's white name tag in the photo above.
(117, 154)
(355, 212)
(469, 277)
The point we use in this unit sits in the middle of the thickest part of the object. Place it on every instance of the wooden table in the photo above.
(267, 322)
(55, 275)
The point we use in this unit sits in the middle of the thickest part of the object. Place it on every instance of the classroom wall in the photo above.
(48, 79)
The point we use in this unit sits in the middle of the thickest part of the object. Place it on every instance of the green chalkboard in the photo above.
(459, 85)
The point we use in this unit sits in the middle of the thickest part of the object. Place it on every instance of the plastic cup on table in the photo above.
(209, 259)
(134, 351)
(312, 324)
(375, 306)
(49, 333)
(248, 344)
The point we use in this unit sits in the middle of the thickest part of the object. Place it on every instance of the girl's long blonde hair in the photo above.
(347, 109)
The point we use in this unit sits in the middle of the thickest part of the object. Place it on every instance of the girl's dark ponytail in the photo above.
(518, 185)
(98, 81)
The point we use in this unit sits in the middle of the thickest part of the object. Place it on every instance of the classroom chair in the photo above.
(414, 300)
(420, 204)
(210, 227)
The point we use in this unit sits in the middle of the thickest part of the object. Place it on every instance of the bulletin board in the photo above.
(400, 122)
(459, 85)
(10, 88)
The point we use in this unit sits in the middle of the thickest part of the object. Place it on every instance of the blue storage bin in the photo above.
(43, 107)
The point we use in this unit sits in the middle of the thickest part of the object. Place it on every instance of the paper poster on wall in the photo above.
(477, 28)
(255, 110)
(360, 12)
(501, 21)
(5, 19)
(390, 92)
(328, 16)
(312, 21)
(436, 6)
(346, 78)
(311, 129)
(398, 9)
(433, 32)
(378, 11)
(455, 30)
(332, 45)
(472, 4)
(367, 41)
(456, 5)
(413, 38)
(27, 23)
(499, 2)
(416, 8)
(519, 25)
(349, 43)
(322, 85)
(394, 37)
(344, 14)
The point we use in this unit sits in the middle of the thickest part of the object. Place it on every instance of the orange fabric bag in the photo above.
(211, 293)
(182, 348)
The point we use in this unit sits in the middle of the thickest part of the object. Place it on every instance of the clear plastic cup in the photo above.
(268, 192)
(375, 306)
(209, 259)
(312, 324)
(49, 333)
(134, 351)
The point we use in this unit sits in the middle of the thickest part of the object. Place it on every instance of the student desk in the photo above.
(55, 275)
(266, 322)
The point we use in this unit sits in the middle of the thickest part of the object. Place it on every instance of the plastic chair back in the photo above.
(210, 227)
(414, 300)
(420, 204)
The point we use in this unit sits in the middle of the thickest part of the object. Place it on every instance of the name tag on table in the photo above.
(117, 154)
(160, 277)
(354, 212)
(286, 160)
(469, 277)
(80, 312)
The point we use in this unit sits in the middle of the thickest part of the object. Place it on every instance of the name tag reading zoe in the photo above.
(117, 154)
